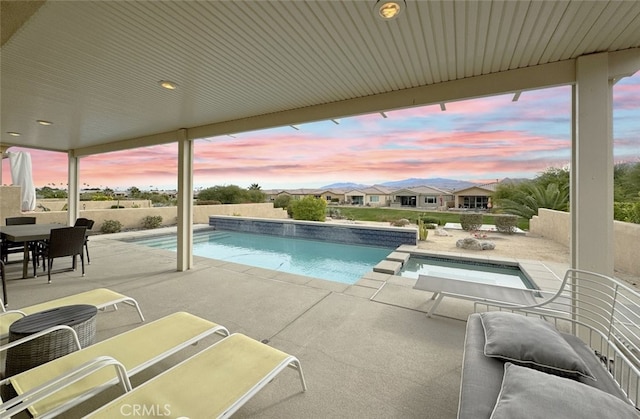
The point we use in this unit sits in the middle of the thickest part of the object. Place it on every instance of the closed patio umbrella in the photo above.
(21, 175)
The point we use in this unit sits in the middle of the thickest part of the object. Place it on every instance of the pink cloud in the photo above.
(472, 139)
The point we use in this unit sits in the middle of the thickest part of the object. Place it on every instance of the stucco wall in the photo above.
(556, 225)
(59, 204)
(132, 217)
(9, 202)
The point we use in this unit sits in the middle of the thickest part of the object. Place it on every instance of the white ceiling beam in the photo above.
(624, 63)
(529, 78)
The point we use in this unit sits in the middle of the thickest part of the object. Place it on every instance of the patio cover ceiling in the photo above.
(93, 67)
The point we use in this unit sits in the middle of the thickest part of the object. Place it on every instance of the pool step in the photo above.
(390, 267)
(401, 257)
(168, 242)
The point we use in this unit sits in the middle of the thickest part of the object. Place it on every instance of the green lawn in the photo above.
(385, 214)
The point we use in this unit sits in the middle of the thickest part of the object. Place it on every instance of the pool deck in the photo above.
(366, 352)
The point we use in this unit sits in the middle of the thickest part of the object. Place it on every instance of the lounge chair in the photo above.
(99, 297)
(476, 291)
(134, 351)
(214, 383)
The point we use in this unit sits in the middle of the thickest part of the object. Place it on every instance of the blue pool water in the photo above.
(331, 261)
(466, 270)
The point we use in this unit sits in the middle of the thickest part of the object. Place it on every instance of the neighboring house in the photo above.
(331, 195)
(475, 197)
(271, 194)
(374, 196)
(426, 197)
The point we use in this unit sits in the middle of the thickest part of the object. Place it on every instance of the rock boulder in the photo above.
(475, 244)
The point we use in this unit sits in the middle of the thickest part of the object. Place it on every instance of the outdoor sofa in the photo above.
(558, 358)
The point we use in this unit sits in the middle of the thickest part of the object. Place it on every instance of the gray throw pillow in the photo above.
(531, 342)
(530, 394)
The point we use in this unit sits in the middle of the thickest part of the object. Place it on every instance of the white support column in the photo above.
(73, 198)
(592, 166)
(185, 201)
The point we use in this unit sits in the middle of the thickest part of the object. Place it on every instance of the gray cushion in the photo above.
(531, 342)
(530, 394)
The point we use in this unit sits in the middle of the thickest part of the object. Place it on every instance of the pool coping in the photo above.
(399, 291)
(377, 287)
(334, 285)
(539, 273)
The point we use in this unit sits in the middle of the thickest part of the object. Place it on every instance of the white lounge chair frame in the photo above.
(476, 291)
(232, 371)
(21, 403)
(101, 298)
(152, 338)
(4, 348)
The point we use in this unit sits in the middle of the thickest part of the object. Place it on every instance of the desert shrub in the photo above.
(471, 221)
(334, 213)
(423, 233)
(282, 201)
(309, 208)
(628, 212)
(427, 219)
(400, 223)
(151, 221)
(430, 226)
(506, 223)
(111, 226)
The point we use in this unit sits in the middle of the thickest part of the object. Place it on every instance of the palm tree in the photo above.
(530, 197)
(254, 187)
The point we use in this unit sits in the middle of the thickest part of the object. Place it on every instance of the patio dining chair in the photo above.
(9, 246)
(3, 279)
(85, 222)
(66, 241)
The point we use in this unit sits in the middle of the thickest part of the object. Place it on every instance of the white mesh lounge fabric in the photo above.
(21, 175)
(470, 290)
(237, 367)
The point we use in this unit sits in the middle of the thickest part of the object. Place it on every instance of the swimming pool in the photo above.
(467, 270)
(330, 261)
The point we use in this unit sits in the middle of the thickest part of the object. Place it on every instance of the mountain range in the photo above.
(441, 183)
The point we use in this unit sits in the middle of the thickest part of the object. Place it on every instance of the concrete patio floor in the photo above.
(362, 358)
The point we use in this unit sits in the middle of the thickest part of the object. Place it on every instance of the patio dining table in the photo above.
(27, 233)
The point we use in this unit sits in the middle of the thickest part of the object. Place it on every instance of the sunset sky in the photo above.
(477, 140)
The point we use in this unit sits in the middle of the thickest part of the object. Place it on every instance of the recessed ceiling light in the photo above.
(42, 122)
(13, 133)
(389, 9)
(169, 85)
